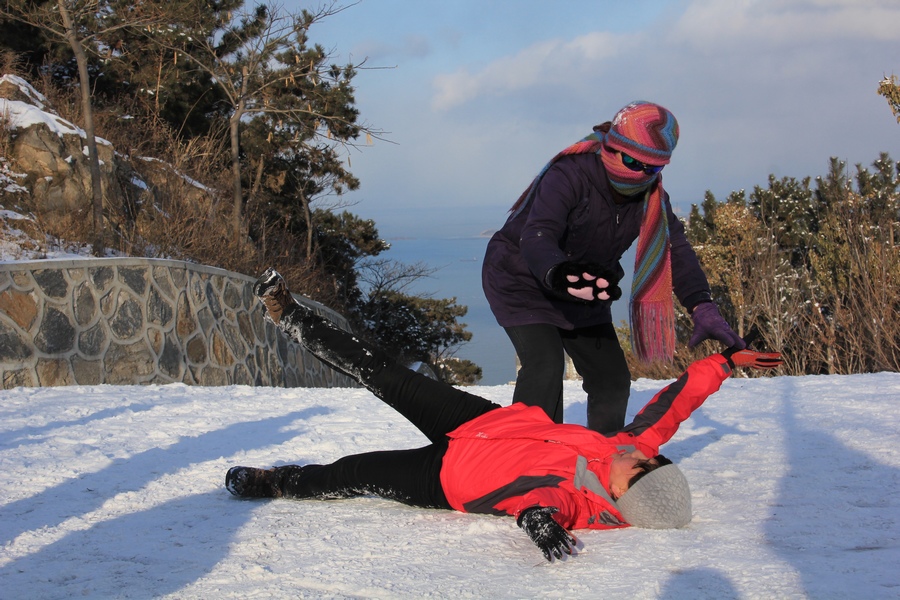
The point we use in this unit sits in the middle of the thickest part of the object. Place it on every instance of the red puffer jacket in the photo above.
(515, 457)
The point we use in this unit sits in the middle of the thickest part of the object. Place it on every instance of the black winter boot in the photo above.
(248, 482)
(273, 293)
(331, 344)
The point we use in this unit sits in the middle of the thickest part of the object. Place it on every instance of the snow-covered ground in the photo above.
(117, 491)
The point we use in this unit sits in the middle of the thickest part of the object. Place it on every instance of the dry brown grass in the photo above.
(183, 212)
(10, 63)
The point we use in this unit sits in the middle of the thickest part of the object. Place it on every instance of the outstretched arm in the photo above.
(659, 419)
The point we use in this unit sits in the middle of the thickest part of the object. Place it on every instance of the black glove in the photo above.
(583, 282)
(547, 534)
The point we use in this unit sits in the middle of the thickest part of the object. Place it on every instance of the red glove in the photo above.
(743, 356)
(756, 360)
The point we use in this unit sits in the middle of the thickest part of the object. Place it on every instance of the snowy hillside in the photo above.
(109, 492)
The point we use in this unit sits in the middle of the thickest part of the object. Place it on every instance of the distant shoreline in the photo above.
(486, 234)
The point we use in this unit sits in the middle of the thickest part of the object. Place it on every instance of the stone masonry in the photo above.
(145, 321)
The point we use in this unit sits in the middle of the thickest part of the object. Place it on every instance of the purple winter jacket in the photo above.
(573, 217)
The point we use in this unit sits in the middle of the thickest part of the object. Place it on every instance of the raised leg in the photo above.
(434, 407)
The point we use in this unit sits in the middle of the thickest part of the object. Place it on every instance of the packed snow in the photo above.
(117, 492)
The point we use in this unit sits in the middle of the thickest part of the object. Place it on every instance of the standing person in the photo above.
(488, 459)
(551, 273)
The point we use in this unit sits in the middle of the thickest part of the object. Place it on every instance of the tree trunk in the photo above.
(237, 195)
(307, 214)
(257, 179)
(236, 155)
(93, 158)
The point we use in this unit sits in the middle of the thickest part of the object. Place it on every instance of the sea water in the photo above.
(457, 263)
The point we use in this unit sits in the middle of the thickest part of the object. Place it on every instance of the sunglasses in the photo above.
(634, 164)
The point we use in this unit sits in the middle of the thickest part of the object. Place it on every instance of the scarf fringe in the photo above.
(653, 330)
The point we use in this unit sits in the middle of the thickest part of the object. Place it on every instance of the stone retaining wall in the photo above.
(143, 321)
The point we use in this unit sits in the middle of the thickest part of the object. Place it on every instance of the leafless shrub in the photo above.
(855, 315)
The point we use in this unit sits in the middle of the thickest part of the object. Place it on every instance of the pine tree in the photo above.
(342, 241)
(788, 207)
(417, 328)
(267, 72)
(149, 77)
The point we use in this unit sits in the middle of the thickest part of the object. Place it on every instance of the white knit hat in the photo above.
(661, 499)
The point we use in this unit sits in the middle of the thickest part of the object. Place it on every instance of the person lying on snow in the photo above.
(484, 458)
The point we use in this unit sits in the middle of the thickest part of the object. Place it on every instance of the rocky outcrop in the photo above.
(50, 156)
(50, 152)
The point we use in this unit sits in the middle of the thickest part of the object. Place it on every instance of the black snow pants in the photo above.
(598, 358)
(435, 408)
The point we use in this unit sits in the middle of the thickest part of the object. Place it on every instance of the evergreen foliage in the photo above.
(390, 316)
(419, 328)
(816, 269)
(342, 241)
(298, 105)
(890, 89)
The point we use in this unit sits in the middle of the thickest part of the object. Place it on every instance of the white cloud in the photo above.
(706, 28)
(543, 63)
(712, 22)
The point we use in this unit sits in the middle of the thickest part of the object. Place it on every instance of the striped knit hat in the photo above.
(645, 131)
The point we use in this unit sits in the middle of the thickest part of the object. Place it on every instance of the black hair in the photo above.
(646, 466)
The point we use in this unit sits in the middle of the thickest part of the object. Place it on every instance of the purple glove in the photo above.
(708, 323)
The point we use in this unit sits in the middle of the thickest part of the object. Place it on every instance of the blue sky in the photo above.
(475, 96)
